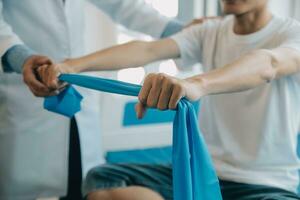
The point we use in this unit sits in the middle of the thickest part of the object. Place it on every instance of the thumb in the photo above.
(140, 110)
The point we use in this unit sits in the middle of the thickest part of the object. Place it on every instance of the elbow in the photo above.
(269, 70)
(268, 74)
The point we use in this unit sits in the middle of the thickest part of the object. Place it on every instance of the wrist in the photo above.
(196, 87)
(70, 66)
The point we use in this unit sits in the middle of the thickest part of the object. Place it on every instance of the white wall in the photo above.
(289, 8)
(281, 7)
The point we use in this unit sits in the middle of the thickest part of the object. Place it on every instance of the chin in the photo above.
(234, 10)
(235, 7)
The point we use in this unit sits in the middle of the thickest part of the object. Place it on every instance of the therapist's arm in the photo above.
(16, 57)
(250, 71)
(173, 27)
(8, 39)
(139, 16)
(21, 59)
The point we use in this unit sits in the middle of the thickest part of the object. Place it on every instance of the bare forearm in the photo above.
(248, 72)
(132, 54)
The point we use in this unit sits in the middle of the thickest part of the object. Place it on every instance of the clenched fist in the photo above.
(164, 92)
(31, 78)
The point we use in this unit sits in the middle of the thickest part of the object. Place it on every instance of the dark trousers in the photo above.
(159, 179)
(75, 169)
(239, 191)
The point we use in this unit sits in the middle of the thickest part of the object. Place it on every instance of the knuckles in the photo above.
(164, 83)
(142, 99)
(172, 106)
(151, 103)
(34, 69)
(162, 107)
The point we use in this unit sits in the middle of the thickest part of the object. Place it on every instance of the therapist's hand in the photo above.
(164, 92)
(48, 75)
(31, 78)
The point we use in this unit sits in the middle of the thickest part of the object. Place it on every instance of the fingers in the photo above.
(159, 91)
(43, 60)
(37, 88)
(140, 110)
(52, 74)
(62, 86)
(33, 71)
(177, 94)
(48, 75)
(40, 93)
(155, 91)
(34, 84)
(165, 95)
(143, 95)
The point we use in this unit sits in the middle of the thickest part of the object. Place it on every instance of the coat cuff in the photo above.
(15, 57)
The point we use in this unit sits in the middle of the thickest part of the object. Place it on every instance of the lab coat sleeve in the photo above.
(8, 38)
(135, 15)
(15, 57)
(174, 26)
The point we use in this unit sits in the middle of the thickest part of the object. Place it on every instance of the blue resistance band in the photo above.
(194, 177)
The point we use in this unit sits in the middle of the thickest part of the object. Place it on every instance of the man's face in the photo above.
(240, 7)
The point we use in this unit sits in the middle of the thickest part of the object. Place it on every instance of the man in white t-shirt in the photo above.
(250, 92)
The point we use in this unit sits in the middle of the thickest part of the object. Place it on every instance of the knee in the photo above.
(100, 195)
(128, 193)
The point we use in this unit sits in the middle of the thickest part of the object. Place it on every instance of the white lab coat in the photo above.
(34, 142)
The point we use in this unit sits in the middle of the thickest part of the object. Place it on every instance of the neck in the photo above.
(252, 21)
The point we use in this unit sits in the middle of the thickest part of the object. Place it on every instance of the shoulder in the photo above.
(209, 27)
(288, 33)
(287, 26)
(220, 23)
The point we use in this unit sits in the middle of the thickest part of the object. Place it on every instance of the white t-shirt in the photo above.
(251, 135)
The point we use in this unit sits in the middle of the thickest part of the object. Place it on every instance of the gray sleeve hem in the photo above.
(15, 57)
(174, 26)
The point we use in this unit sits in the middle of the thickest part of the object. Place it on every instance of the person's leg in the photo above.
(128, 193)
(239, 191)
(75, 169)
(129, 182)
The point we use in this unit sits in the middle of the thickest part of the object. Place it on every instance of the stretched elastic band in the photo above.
(194, 177)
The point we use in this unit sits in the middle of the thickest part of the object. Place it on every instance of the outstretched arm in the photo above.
(254, 69)
(250, 71)
(132, 54)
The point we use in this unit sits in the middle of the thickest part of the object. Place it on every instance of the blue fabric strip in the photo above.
(153, 116)
(194, 177)
(152, 156)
